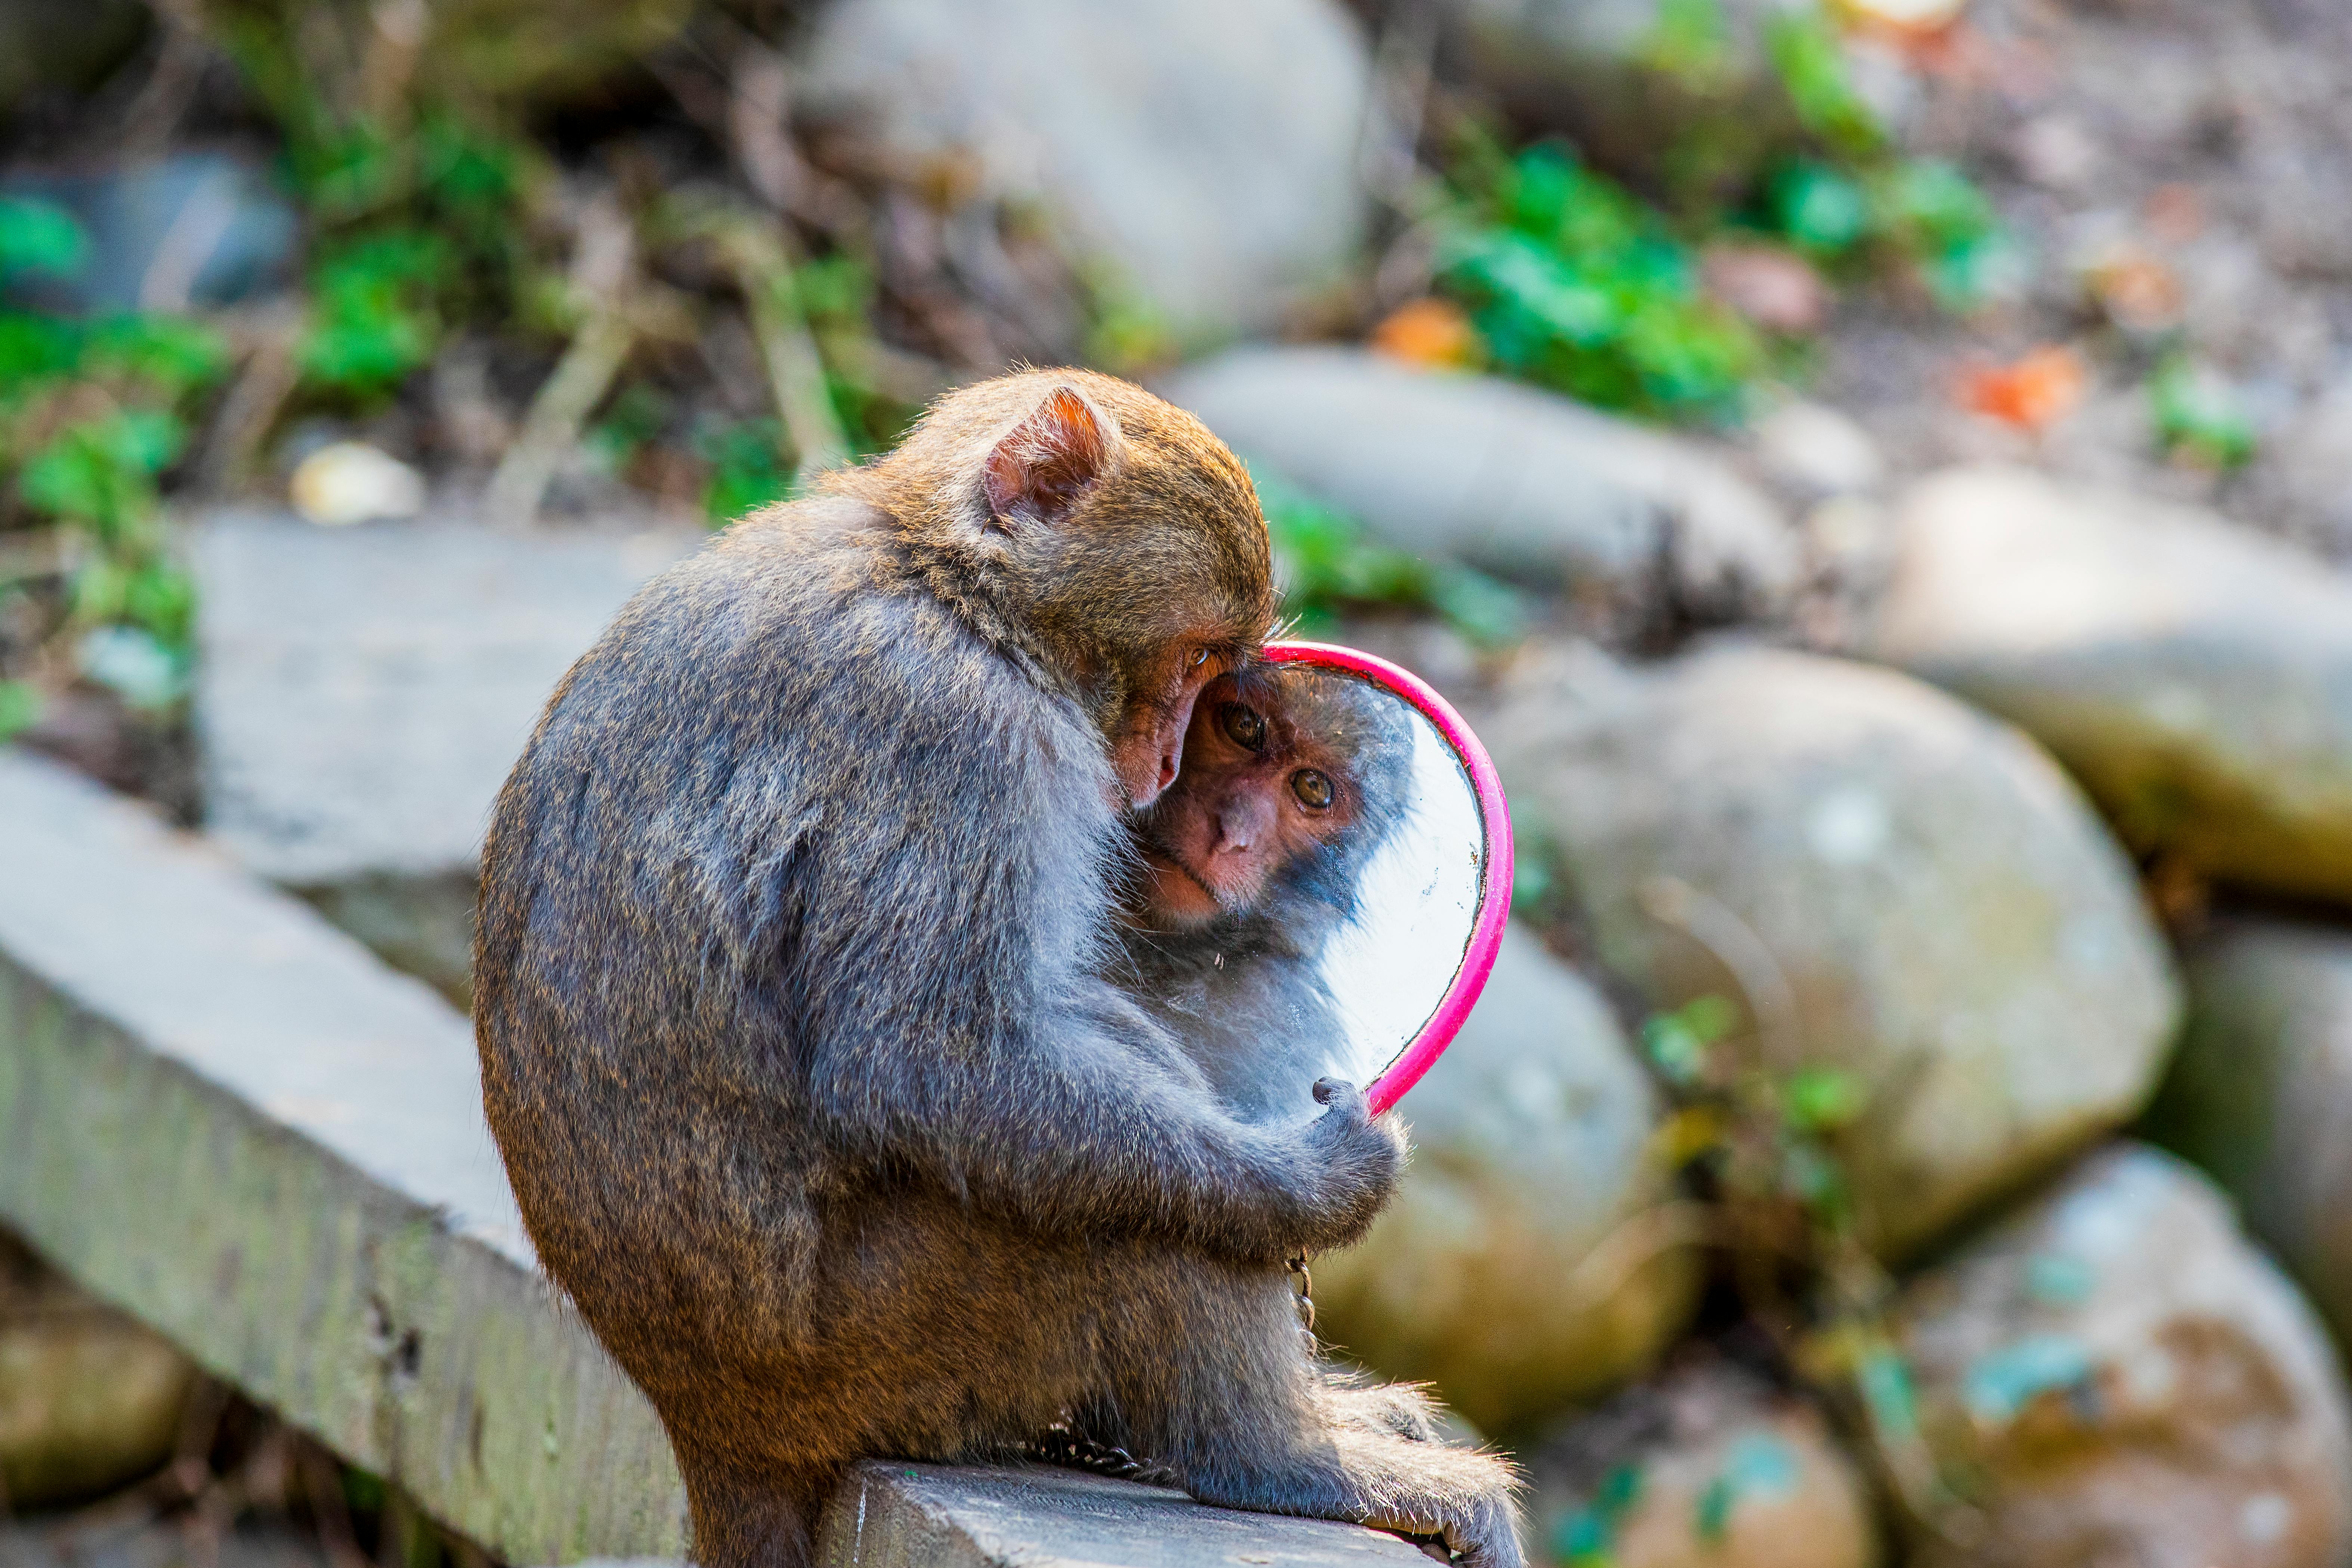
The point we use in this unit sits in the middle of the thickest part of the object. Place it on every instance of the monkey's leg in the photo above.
(747, 1518)
(1220, 1395)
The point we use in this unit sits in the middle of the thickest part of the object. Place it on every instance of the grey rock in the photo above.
(2260, 1094)
(2123, 1378)
(361, 692)
(1514, 1268)
(1895, 886)
(199, 229)
(1726, 1472)
(1206, 151)
(1587, 66)
(1532, 486)
(2195, 676)
(89, 1399)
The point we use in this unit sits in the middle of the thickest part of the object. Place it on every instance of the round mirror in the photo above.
(1320, 891)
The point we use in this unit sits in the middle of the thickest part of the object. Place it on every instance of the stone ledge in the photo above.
(231, 1119)
(924, 1515)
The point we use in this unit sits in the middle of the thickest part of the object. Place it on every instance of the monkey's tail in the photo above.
(764, 1518)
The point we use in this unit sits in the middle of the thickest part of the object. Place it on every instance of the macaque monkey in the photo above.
(796, 1027)
(1249, 863)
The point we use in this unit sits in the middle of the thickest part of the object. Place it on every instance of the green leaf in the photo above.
(747, 470)
(20, 708)
(173, 355)
(102, 473)
(1819, 209)
(374, 318)
(1690, 44)
(1821, 1100)
(40, 237)
(1710, 1018)
(35, 349)
(1810, 60)
(2198, 417)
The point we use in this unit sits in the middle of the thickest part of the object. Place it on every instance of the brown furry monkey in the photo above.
(792, 1004)
(1250, 863)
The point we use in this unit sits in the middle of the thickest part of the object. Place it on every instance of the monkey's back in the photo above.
(688, 910)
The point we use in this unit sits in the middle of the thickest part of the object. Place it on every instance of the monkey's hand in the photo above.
(1353, 1161)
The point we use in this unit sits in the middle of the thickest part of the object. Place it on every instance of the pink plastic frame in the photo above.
(1494, 866)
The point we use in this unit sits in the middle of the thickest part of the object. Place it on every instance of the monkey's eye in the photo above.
(1244, 727)
(1313, 789)
(1199, 656)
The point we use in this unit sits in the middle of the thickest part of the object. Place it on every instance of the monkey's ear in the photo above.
(1050, 459)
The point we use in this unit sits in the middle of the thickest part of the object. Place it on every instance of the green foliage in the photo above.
(747, 469)
(1574, 284)
(1326, 564)
(374, 315)
(836, 297)
(20, 709)
(1587, 1537)
(100, 473)
(91, 415)
(1807, 56)
(2199, 417)
(1689, 45)
(39, 237)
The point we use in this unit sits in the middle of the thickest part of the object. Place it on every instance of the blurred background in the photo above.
(1876, 474)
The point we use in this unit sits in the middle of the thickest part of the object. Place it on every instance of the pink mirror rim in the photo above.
(1494, 868)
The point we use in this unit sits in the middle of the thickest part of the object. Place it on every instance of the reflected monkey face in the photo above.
(1255, 793)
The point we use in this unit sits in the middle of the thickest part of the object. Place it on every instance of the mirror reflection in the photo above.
(1306, 889)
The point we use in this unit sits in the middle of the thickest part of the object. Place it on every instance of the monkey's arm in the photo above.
(954, 1020)
(1068, 1125)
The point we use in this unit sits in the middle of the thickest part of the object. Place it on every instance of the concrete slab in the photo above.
(361, 692)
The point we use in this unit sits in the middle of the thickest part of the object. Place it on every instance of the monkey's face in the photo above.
(1257, 792)
(1149, 747)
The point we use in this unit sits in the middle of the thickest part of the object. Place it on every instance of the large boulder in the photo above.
(89, 1398)
(2196, 676)
(1632, 80)
(1481, 1274)
(1529, 486)
(1704, 1468)
(2115, 1375)
(2260, 1092)
(1895, 885)
(1207, 151)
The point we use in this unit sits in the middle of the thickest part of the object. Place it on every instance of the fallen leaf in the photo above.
(2032, 394)
(1428, 332)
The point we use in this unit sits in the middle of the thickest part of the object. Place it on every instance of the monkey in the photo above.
(795, 1029)
(1250, 862)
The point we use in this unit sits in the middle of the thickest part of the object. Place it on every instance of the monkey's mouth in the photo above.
(1178, 889)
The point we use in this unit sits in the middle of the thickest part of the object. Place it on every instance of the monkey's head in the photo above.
(1292, 778)
(1103, 533)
